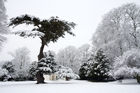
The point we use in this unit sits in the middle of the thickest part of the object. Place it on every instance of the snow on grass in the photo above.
(68, 87)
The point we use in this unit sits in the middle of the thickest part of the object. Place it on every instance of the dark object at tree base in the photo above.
(67, 78)
(40, 78)
(41, 83)
(138, 79)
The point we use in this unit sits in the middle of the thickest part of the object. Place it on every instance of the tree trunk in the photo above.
(40, 78)
(41, 55)
(138, 78)
(39, 74)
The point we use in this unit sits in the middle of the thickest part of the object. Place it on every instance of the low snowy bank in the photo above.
(69, 87)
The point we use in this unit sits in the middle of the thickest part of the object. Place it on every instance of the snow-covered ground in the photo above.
(70, 87)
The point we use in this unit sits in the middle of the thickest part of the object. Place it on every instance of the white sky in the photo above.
(87, 14)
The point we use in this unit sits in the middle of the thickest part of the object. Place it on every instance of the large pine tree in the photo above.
(100, 67)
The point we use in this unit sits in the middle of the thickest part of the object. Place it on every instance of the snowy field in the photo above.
(69, 87)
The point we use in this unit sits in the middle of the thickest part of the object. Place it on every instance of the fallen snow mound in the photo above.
(73, 86)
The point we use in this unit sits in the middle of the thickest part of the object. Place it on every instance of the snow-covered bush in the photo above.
(66, 73)
(47, 65)
(15, 74)
(10, 72)
(32, 70)
(96, 68)
(21, 75)
(85, 70)
(3, 74)
(9, 67)
(127, 65)
(19, 64)
(100, 67)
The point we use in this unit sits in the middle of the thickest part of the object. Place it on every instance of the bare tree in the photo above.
(3, 19)
(21, 58)
(132, 14)
(67, 57)
(119, 30)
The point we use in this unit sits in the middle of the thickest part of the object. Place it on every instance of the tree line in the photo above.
(114, 53)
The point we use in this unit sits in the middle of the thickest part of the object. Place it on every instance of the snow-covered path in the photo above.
(67, 87)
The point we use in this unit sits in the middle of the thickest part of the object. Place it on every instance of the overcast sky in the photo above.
(87, 14)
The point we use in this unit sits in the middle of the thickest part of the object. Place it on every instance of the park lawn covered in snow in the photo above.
(74, 86)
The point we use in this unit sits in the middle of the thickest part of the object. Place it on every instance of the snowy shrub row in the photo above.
(127, 65)
(66, 73)
(17, 69)
(48, 66)
(9, 72)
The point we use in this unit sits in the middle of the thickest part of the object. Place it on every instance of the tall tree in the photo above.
(83, 53)
(21, 58)
(119, 30)
(67, 57)
(3, 19)
(47, 30)
(73, 57)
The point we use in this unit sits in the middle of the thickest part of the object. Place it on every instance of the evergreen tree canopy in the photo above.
(96, 68)
(51, 29)
(100, 67)
(84, 71)
(47, 30)
(32, 70)
(9, 67)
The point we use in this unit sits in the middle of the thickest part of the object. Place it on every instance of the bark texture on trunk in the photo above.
(40, 78)
(138, 78)
(39, 74)
(40, 56)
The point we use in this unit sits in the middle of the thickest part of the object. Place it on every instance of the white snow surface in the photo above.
(73, 86)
